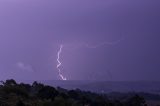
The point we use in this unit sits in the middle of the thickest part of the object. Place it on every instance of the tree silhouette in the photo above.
(37, 94)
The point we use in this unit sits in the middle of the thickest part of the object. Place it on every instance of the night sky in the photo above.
(31, 32)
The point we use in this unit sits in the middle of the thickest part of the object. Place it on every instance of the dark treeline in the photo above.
(37, 94)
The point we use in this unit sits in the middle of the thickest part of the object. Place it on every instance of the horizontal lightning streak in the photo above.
(101, 44)
(73, 46)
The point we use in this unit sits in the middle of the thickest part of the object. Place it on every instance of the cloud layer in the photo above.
(25, 67)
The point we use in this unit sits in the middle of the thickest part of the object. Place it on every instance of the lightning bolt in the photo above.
(78, 46)
(59, 63)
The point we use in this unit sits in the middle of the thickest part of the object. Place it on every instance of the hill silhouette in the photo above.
(38, 94)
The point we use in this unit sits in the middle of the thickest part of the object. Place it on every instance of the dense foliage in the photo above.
(37, 94)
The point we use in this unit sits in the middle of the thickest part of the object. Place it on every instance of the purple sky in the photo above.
(31, 32)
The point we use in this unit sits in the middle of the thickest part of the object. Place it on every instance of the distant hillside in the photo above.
(109, 86)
